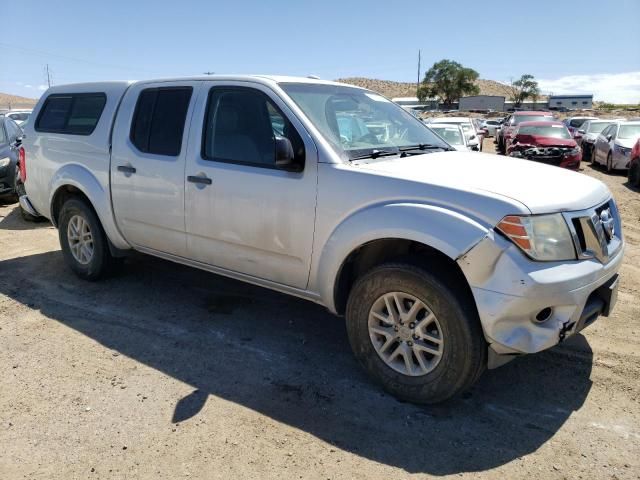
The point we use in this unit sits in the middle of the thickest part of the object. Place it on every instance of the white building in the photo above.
(571, 102)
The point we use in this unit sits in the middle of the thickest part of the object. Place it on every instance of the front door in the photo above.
(147, 165)
(244, 214)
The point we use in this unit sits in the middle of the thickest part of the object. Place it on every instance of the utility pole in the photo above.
(418, 84)
(48, 77)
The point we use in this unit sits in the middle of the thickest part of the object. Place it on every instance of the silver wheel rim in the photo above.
(80, 239)
(405, 334)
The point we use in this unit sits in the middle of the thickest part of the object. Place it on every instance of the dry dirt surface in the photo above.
(164, 372)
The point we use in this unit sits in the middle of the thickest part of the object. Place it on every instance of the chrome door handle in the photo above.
(126, 169)
(199, 179)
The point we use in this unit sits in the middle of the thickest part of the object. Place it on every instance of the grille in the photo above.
(596, 232)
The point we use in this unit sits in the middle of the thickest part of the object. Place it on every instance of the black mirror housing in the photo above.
(285, 156)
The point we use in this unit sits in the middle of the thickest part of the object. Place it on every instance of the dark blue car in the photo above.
(10, 141)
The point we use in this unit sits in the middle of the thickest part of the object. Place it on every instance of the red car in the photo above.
(634, 166)
(505, 134)
(546, 142)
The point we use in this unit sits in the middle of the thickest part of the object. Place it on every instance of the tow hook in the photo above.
(566, 327)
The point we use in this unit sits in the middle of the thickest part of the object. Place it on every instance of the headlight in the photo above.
(572, 152)
(4, 162)
(541, 237)
(623, 150)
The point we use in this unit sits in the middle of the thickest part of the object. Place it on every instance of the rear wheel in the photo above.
(83, 241)
(415, 337)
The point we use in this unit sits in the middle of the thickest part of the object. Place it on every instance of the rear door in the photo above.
(242, 213)
(147, 164)
(601, 146)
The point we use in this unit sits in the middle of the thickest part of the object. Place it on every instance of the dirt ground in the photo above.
(165, 372)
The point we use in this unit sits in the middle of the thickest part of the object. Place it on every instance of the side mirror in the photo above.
(285, 154)
(609, 137)
(582, 132)
(472, 137)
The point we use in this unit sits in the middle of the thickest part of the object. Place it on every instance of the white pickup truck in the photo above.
(442, 262)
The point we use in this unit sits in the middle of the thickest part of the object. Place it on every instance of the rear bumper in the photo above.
(511, 291)
(26, 205)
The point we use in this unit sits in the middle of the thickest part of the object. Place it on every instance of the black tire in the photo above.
(609, 165)
(101, 262)
(464, 349)
(634, 174)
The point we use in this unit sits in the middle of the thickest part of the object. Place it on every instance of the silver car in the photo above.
(613, 145)
(588, 134)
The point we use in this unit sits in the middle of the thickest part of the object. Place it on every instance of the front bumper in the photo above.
(511, 291)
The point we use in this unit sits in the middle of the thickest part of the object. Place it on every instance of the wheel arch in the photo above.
(354, 247)
(78, 181)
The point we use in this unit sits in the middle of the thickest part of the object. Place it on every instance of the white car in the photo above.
(452, 134)
(613, 145)
(443, 263)
(18, 116)
(474, 137)
(587, 135)
(491, 125)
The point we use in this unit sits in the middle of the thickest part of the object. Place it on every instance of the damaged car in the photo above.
(546, 142)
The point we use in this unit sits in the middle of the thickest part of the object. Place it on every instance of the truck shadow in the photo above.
(290, 360)
(13, 221)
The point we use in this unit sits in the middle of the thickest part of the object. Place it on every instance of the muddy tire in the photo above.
(83, 241)
(445, 334)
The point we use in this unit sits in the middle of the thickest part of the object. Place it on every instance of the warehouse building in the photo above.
(570, 102)
(482, 103)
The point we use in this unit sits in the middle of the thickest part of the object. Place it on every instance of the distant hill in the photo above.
(14, 101)
(392, 89)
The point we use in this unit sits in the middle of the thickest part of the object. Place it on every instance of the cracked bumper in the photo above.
(510, 291)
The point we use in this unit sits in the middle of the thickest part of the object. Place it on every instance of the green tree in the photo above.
(447, 81)
(524, 87)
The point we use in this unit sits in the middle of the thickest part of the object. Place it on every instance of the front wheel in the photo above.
(609, 163)
(413, 335)
(83, 241)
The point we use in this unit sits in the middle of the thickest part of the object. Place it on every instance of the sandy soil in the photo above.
(167, 372)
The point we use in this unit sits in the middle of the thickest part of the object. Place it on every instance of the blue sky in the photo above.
(578, 46)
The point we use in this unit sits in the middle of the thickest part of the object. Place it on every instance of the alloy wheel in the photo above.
(405, 334)
(80, 239)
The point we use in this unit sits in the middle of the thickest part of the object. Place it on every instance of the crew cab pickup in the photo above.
(442, 262)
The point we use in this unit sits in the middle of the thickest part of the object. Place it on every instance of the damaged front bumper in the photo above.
(527, 306)
(566, 157)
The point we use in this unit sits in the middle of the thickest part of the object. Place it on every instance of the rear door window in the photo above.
(159, 119)
(72, 114)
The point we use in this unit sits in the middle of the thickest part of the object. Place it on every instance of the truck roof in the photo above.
(122, 85)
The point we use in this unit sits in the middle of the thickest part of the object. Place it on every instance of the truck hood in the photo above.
(541, 188)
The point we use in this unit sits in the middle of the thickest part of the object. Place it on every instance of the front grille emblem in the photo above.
(607, 224)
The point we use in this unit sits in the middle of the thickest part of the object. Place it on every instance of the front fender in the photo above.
(447, 231)
(96, 190)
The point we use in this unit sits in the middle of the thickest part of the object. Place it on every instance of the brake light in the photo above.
(22, 164)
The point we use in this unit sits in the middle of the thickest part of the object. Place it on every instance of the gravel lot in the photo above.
(169, 372)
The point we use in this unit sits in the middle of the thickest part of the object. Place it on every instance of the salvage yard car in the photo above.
(443, 262)
(588, 134)
(545, 142)
(452, 134)
(10, 141)
(503, 135)
(613, 145)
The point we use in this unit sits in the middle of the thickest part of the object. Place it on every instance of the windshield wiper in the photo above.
(424, 146)
(375, 154)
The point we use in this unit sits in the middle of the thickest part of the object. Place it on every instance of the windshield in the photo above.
(629, 131)
(451, 134)
(597, 127)
(531, 118)
(553, 131)
(358, 122)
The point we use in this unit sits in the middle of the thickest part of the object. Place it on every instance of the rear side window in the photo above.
(158, 121)
(73, 114)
